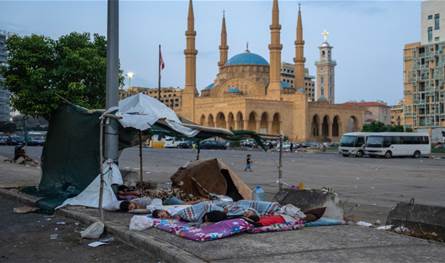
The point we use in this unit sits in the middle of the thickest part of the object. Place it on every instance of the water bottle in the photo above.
(258, 193)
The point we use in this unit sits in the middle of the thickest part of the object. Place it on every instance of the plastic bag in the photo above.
(139, 223)
(156, 204)
(292, 211)
(93, 231)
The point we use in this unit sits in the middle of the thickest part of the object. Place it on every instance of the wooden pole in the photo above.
(280, 164)
(141, 174)
(199, 150)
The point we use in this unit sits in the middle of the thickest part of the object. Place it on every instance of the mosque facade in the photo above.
(249, 93)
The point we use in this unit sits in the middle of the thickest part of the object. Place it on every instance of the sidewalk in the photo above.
(322, 244)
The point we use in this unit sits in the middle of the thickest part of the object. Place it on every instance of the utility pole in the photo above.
(112, 81)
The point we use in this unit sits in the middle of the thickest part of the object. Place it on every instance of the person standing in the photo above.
(248, 164)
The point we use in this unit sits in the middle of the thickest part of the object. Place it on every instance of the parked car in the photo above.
(185, 144)
(4, 139)
(36, 140)
(214, 145)
(15, 140)
(311, 145)
(248, 143)
(170, 142)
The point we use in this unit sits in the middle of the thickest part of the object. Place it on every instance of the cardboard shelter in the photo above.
(199, 178)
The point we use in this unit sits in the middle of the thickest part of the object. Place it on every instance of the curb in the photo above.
(163, 251)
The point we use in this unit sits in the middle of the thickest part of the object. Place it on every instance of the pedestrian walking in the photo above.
(248, 164)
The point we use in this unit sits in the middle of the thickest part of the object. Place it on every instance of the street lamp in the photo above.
(130, 75)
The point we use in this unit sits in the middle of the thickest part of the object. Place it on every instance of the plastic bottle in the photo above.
(258, 193)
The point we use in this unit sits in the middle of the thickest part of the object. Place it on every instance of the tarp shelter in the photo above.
(70, 157)
(199, 178)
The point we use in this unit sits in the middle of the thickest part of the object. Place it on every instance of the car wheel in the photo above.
(388, 155)
(359, 154)
(416, 154)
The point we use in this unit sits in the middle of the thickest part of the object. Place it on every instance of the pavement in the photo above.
(347, 243)
(42, 238)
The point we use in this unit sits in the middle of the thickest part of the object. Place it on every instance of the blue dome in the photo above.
(233, 90)
(210, 86)
(285, 85)
(247, 58)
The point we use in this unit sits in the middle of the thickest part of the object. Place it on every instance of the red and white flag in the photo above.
(161, 60)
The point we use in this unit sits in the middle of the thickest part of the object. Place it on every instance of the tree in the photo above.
(377, 126)
(41, 71)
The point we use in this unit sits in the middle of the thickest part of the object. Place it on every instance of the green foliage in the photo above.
(41, 71)
(377, 126)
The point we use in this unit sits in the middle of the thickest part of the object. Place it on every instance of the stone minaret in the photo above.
(275, 47)
(188, 97)
(325, 72)
(299, 55)
(223, 47)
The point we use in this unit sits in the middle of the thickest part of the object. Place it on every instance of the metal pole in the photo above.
(141, 174)
(199, 150)
(101, 160)
(280, 164)
(159, 74)
(112, 81)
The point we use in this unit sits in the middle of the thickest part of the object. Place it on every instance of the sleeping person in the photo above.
(248, 209)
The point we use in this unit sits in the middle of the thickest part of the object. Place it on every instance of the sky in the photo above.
(368, 36)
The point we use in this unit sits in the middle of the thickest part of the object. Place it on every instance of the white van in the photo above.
(389, 144)
(353, 143)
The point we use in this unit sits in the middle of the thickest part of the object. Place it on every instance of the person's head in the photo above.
(214, 216)
(162, 214)
(124, 206)
(250, 212)
(122, 188)
(248, 156)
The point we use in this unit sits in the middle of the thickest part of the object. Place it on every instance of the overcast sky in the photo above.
(368, 36)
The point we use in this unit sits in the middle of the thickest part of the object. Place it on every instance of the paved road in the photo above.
(374, 184)
(27, 238)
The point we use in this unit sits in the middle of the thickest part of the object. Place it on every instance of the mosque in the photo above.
(249, 92)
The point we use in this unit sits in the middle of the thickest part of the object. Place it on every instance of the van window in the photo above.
(360, 141)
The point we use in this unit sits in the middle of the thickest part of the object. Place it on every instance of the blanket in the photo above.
(205, 232)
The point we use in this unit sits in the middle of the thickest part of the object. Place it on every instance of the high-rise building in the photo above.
(325, 72)
(288, 77)
(433, 22)
(424, 66)
(5, 108)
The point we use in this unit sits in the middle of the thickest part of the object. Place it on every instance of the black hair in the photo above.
(124, 206)
(215, 216)
(122, 188)
(155, 213)
(254, 218)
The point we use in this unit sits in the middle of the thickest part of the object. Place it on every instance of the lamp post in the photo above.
(130, 76)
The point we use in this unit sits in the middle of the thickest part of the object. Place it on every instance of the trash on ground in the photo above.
(363, 223)
(25, 209)
(140, 223)
(401, 229)
(387, 227)
(93, 231)
(97, 244)
(107, 239)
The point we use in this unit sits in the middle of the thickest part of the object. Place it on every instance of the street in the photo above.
(369, 186)
(43, 238)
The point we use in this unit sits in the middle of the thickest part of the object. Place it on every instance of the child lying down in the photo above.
(259, 213)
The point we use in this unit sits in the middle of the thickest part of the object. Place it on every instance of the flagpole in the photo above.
(159, 74)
